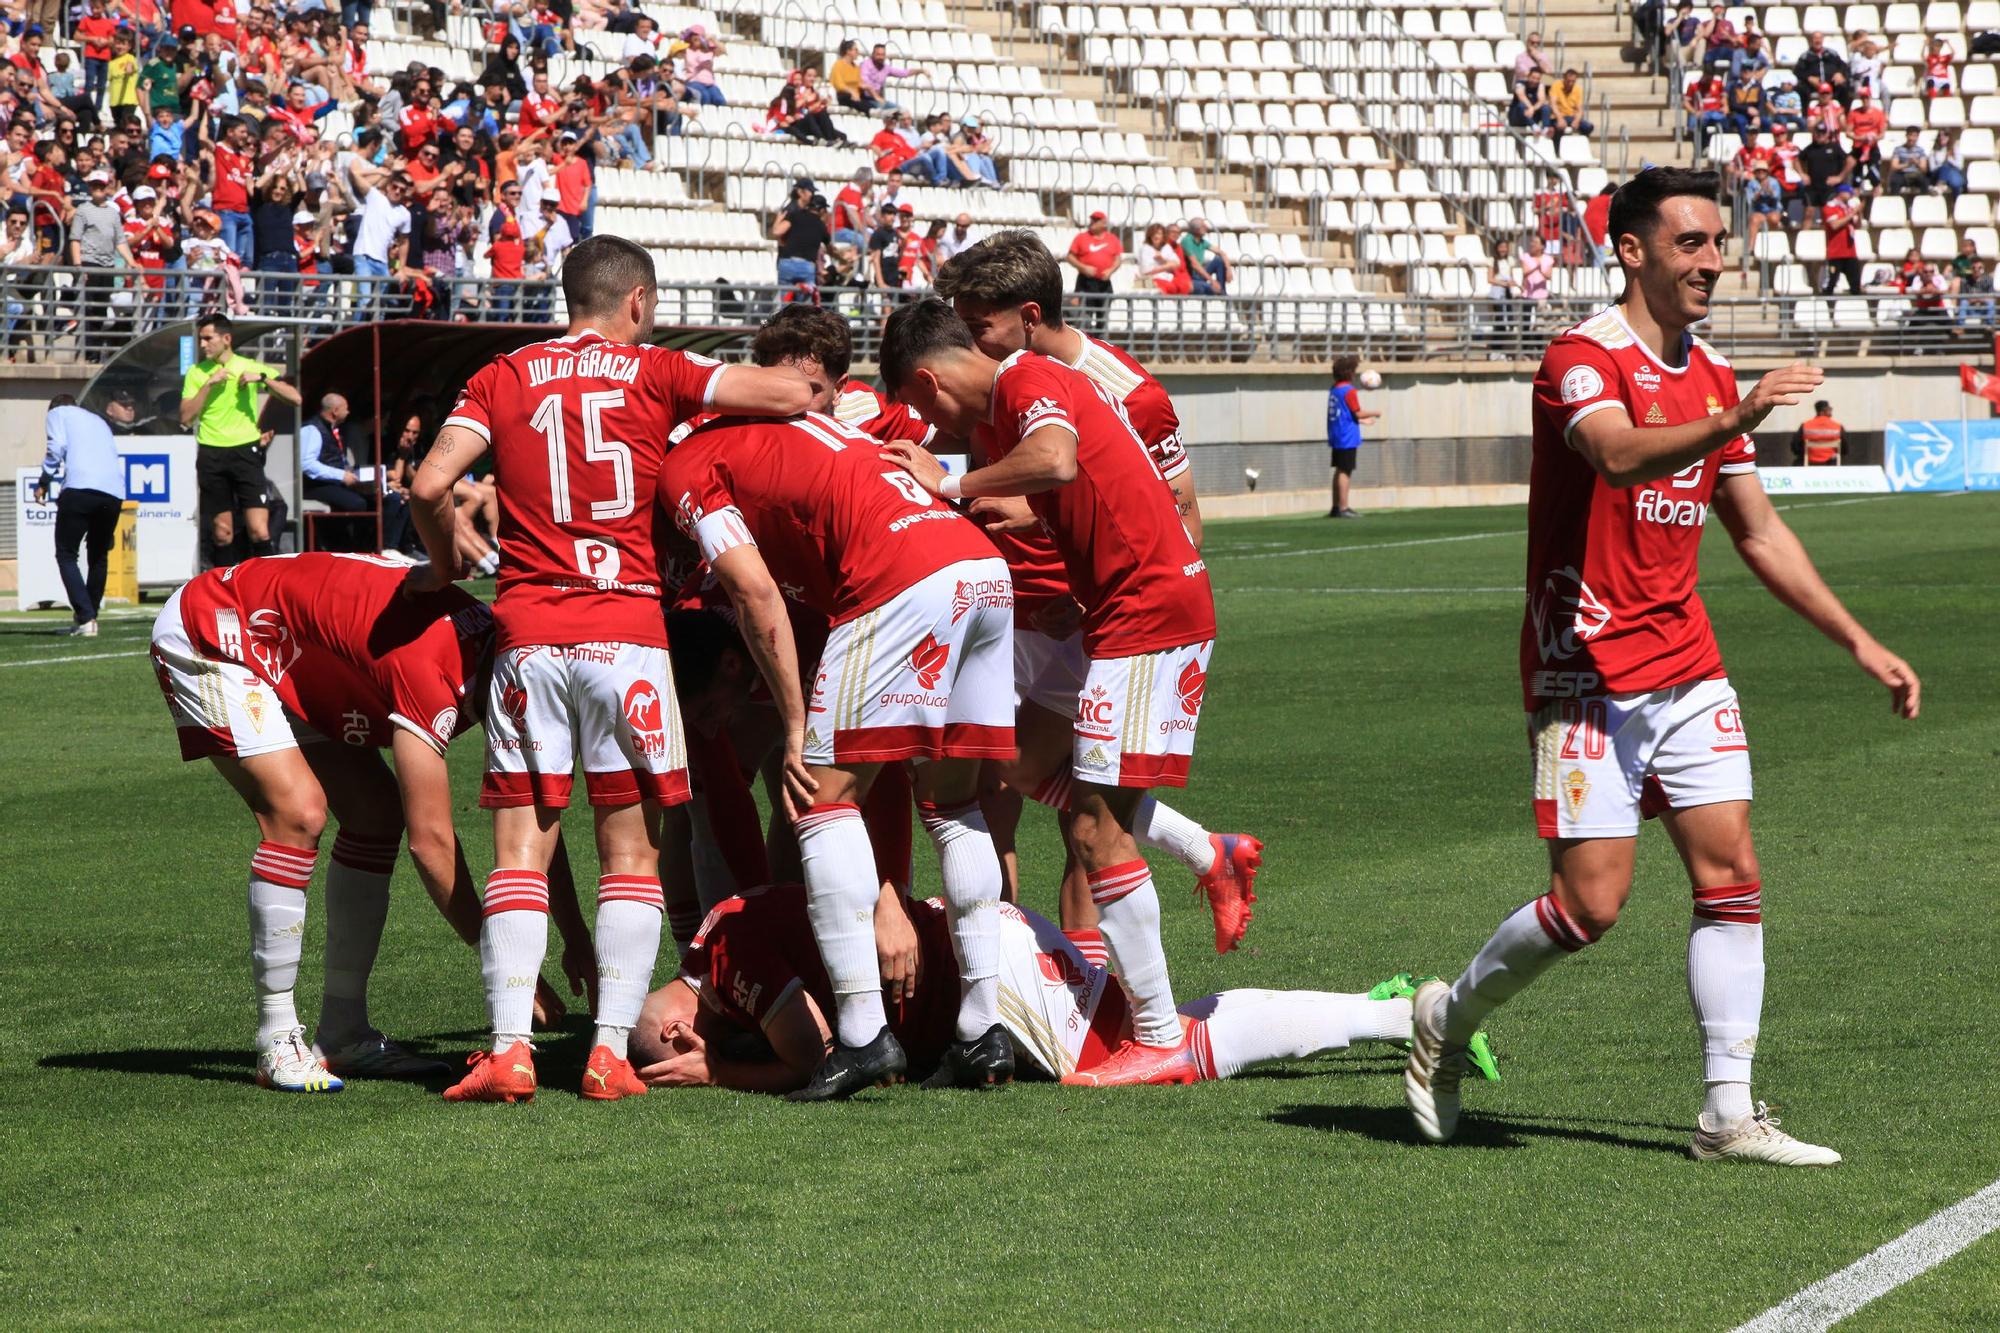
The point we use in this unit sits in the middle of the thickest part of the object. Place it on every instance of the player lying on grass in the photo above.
(1008, 290)
(1637, 433)
(915, 668)
(751, 1008)
(291, 674)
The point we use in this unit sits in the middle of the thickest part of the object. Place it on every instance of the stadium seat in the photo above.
(1809, 246)
(1928, 210)
(1889, 210)
(1938, 243)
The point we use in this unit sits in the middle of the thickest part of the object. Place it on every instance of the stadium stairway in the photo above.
(1592, 36)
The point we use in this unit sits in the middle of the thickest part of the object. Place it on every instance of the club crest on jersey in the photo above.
(928, 660)
(1714, 406)
(1042, 409)
(642, 714)
(1581, 384)
(445, 724)
(1575, 788)
(1655, 417)
(253, 704)
(1566, 614)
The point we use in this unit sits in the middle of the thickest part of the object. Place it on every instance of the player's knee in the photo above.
(297, 822)
(1596, 917)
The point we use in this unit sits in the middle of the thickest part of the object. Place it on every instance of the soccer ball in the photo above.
(1371, 379)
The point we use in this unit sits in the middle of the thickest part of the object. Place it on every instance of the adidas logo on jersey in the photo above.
(1657, 508)
(1655, 417)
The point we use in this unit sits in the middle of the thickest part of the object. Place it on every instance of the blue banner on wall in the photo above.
(1942, 455)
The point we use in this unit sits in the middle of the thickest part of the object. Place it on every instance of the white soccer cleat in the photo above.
(289, 1065)
(1757, 1138)
(1431, 1079)
(375, 1056)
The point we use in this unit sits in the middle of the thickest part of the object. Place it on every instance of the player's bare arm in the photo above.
(1003, 513)
(1188, 503)
(1629, 455)
(1043, 461)
(767, 632)
(896, 944)
(454, 452)
(424, 780)
(1779, 560)
(775, 391)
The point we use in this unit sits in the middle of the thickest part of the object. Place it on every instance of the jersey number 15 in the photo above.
(548, 419)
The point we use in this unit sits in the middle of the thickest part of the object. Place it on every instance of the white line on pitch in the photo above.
(1370, 546)
(1834, 504)
(1909, 1256)
(1514, 591)
(78, 657)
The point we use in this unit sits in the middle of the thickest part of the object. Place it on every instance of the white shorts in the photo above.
(611, 705)
(218, 707)
(1048, 672)
(923, 676)
(1604, 763)
(1136, 717)
(1063, 1011)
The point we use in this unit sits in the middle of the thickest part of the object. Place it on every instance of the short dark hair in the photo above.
(696, 641)
(601, 270)
(62, 400)
(1344, 367)
(222, 324)
(1636, 205)
(809, 332)
(1008, 268)
(917, 332)
(1823, 407)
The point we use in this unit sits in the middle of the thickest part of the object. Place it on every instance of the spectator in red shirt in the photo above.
(1094, 254)
(850, 209)
(418, 123)
(540, 109)
(95, 30)
(1841, 259)
(573, 180)
(235, 161)
(1597, 216)
(891, 149)
(1866, 125)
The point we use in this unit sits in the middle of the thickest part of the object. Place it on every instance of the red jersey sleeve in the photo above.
(693, 485)
(1353, 400)
(685, 381)
(1578, 377)
(1159, 426)
(474, 408)
(1026, 398)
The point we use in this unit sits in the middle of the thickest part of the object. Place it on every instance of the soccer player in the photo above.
(291, 674)
(1055, 436)
(1637, 433)
(577, 427)
(753, 973)
(1009, 291)
(915, 667)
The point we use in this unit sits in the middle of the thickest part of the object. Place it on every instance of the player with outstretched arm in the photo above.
(1637, 433)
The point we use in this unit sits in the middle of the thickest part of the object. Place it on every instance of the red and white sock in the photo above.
(971, 871)
(357, 906)
(629, 909)
(513, 939)
(1054, 791)
(1168, 830)
(1090, 943)
(1128, 912)
(1726, 987)
(1239, 1029)
(278, 879)
(1527, 942)
(841, 890)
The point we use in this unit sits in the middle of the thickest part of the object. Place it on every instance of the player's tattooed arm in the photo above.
(1189, 505)
(432, 510)
(1779, 560)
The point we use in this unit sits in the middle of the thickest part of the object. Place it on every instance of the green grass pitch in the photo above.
(1363, 719)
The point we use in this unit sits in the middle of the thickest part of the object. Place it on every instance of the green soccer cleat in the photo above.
(1480, 1052)
(1399, 987)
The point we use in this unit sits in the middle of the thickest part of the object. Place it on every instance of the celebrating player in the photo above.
(290, 674)
(1009, 291)
(753, 972)
(1637, 432)
(915, 668)
(577, 427)
(1052, 434)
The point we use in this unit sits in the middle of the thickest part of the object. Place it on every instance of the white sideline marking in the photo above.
(1514, 591)
(78, 657)
(1909, 1256)
(1834, 504)
(1371, 546)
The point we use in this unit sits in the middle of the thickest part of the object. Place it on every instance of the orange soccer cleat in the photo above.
(607, 1077)
(497, 1076)
(1136, 1062)
(1230, 886)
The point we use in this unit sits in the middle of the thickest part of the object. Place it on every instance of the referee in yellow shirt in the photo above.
(219, 399)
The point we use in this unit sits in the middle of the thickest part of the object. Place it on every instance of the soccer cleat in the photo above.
(1136, 1062)
(849, 1069)
(1479, 1054)
(1229, 885)
(375, 1056)
(289, 1065)
(1402, 986)
(608, 1077)
(1431, 1079)
(1757, 1138)
(987, 1061)
(497, 1076)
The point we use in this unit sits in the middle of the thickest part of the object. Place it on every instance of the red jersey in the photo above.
(232, 180)
(841, 530)
(342, 645)
(577, 428)
(1142, 585)
(861, 407)
(756, 951)
(95, 31)
(1839, 239)
(1096, 252)
(537, 111)
(1144, 399)
(416, 126)
(1937, 68)
(1612, 607)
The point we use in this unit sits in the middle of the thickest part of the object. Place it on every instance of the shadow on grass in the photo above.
(1392, 1125)
(232, 1066)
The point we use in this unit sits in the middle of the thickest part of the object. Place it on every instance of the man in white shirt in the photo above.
(533, 171)
(383, 238)
(958, 236)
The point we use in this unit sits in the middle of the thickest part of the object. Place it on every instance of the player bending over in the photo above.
(1637, 432)
(750, 1008)
(1054, 435)
(290, 674)
(915, 668)
(577, 428)
(1009, 291)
